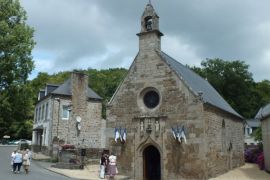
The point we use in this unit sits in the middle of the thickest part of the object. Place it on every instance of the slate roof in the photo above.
(198, 85)
(263, 112)
(51, 87)
(65, 89)
(253, 122)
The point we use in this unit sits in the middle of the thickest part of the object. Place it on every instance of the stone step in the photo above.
(61, 165)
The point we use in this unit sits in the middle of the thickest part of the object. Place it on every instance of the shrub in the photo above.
(260, 161)
(254, 154)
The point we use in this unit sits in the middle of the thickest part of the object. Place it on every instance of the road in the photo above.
(36, 171)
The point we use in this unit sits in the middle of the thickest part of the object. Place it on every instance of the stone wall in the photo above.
(266, 142)
(178, 107)
(60, 127)
(206, 152)
(225, 140)
(87, 109)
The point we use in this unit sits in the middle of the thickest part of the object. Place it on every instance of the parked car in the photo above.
(23, 141)
(12, 142)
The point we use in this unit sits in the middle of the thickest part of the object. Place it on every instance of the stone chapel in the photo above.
(177, 125)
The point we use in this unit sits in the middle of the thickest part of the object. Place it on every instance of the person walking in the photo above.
(107, 164)
(26, 162)
(102, 166)
(112, 166)
(29, 152)
(17, 162)
(12, 158)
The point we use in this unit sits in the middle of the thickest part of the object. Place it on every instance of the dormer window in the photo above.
(148, 23)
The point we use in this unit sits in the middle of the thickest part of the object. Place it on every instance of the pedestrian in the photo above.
(102, 166)
(12, 158)
(107, 164)
(17, 163)
(29, 152)
(26, 162)
(112, 166)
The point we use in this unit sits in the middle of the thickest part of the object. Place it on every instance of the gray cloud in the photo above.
(101, 33)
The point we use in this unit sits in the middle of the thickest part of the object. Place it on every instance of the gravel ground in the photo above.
(90, 172)
(246, 172)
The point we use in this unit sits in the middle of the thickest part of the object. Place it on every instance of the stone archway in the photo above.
(151, 163)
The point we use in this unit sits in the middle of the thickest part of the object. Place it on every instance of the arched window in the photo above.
(148, 23)
(223, 124)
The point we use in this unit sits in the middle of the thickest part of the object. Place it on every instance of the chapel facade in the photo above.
(177, 125)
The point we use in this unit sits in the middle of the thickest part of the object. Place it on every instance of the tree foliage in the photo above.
(103, 82)
(16, 44)
(234, 82)
(257, 134)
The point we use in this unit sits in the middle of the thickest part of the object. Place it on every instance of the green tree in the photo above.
(104, 82)
(16, 44)
(233, 81)
(257, 134)
(262, 89)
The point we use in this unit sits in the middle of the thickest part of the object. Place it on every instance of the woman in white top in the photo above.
(12, 159)
(112, 166)
(17, 162)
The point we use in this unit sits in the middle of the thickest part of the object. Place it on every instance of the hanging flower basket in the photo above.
(68, 146)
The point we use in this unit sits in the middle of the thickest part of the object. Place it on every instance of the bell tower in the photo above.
(150, 36)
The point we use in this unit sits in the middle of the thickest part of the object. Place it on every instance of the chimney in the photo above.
(79, 91)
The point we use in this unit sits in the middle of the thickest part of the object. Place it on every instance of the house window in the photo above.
(46, 111)
(249, 131)
(39, 113)
(36, 114)
(65, 113)
(42, 118)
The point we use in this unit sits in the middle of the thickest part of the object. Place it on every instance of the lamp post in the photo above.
(69, 115)
(57, 127)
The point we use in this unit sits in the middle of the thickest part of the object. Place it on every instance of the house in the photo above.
(264, 116)
(250, 126)
(176, 124)
(69, 113)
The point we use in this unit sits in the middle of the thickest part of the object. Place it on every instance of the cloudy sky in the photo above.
(101, 34)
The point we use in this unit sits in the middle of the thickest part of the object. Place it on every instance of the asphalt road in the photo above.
(36, 171)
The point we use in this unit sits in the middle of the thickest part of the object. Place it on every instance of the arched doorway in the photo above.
(151, 163)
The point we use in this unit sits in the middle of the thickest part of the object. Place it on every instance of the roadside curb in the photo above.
(52, 169)
(47, 168)
(37, 162)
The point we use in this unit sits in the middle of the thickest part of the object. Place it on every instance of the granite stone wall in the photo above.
(225, 140)
(266, 142)
(178, 107)
(201, 157)
(89, 111)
